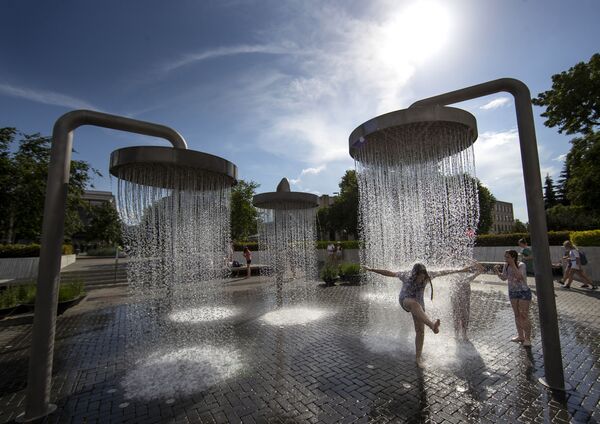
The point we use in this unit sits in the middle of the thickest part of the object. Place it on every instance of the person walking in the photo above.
(526, 256)
(248, 256)
(519, 293)
(411, 299)
(574, 267)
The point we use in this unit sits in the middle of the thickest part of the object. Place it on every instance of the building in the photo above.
(97, 198)
(503, 217)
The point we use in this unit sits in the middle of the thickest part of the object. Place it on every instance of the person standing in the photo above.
(411, 299)
(574, 267)
(519, 293)
(339, 254)
(330, 252)
(460, 299)
(527, 256)
(248, 256)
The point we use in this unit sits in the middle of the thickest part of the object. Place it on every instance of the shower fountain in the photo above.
(418, 200)
(287, 233)
(164, 195)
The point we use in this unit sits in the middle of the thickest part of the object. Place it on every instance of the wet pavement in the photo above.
(347, 356)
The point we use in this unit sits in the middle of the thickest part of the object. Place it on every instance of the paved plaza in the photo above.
(353, 363)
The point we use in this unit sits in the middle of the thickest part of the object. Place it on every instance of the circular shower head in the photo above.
(283, 198)
(431, 131)
(148, 159)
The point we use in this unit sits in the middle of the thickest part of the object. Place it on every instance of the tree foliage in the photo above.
(343, 214)
(486, 208)
(243, 213)
(583, 163)
(23, 175)
(549, 192)
(519, 227)
(104, 226)
(573, 102)
(571, 217)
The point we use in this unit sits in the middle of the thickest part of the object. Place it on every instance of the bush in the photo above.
(102, 251)
(70, 291)
(349, 269)
(238, 246)
(586, 238)
(27, 250)
(555, 238)
(8, 297)
(329, 273)
(346, 244)
(25, 293)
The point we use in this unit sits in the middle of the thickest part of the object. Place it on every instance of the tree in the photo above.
(486, 208)
(573, 102)
(549, 194)
(243, 212)
(561, 186)
(104, 226)
(519, 227)
(24, 174)
(343, 214)
(583, 163)
(571, 217)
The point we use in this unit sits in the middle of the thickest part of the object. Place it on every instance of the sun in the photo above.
(414, 33)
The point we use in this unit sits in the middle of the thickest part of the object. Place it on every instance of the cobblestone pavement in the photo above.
(354, 364)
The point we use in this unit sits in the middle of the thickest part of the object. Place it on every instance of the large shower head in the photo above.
(431, 131)
(283, 198)
(134, 163)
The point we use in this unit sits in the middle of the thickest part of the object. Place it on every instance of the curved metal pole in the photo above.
(554, 376)
(44, 321)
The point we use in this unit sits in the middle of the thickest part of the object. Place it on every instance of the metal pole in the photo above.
(44, 322)
(554, 376)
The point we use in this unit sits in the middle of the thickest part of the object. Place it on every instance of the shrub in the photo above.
(349, 269)
(329, 273)
(586, 238)
(70, 291)
(555, 238)
(346, 244)
(238, 246)
(102, 251)
(8, 297)
(26, 293)
(27, 250)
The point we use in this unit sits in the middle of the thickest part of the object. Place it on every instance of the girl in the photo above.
(519, 294)
(411, 299)
(248, 256)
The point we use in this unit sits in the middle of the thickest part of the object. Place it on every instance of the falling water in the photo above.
(418, 199)
(176, 232)
(287, 242)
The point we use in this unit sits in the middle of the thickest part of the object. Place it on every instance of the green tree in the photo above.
(486, 208)
(104, 226)
(24, 176)
(519, 227)
(343, 214)
(561, 186)
(243, 213)
(573, 102)
(571, 217)
(549, 193)
(583, 163)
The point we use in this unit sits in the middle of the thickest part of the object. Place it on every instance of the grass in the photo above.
(24, 294)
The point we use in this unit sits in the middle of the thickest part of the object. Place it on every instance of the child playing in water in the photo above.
(411, 299)
(460, 299)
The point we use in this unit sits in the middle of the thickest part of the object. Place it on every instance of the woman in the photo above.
(519, 293)
(574, 267)
(248, 256)
(411, 299)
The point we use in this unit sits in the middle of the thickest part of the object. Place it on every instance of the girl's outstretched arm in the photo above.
(381, 271)
(452, 271)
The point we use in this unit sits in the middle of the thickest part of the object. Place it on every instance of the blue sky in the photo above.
(277, 86)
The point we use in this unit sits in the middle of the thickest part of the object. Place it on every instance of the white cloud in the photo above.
(332, 71)
(313, 171)
(221, 52)
(560, 158)
(45, 97)
(496, 103)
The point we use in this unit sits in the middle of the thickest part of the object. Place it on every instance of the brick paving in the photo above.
(353, 365)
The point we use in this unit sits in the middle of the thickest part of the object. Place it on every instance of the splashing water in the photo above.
(287, 242)
(418, 201)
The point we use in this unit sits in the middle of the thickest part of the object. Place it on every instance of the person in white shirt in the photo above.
(574, 267)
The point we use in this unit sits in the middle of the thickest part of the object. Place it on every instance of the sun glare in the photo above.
(414, 33)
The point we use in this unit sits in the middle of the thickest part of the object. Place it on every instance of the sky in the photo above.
(276, 87)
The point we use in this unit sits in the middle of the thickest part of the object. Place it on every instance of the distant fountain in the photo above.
(418, 195)
(287, 233)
